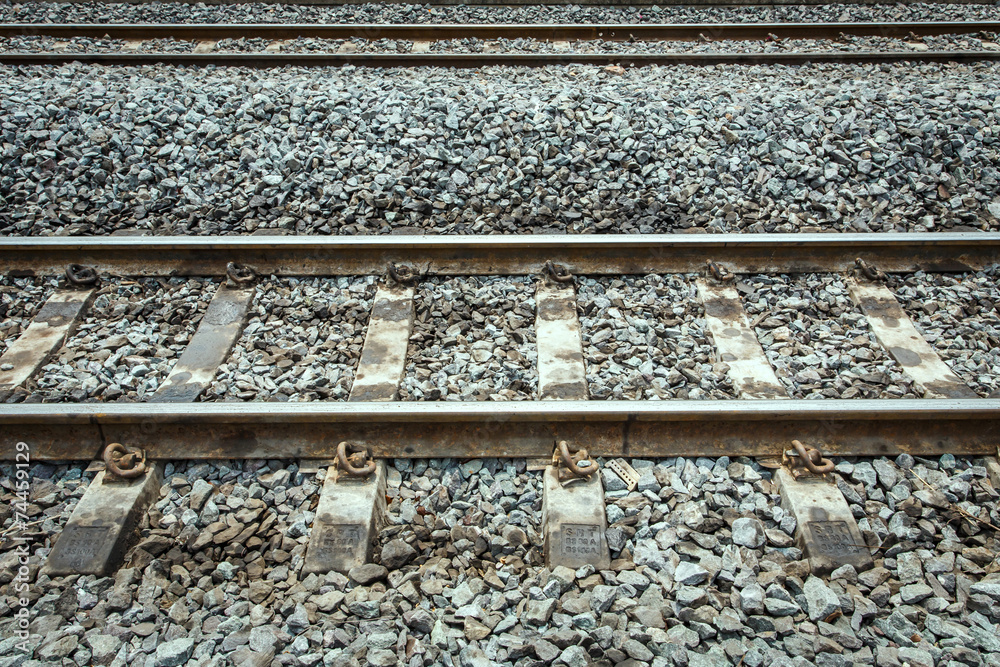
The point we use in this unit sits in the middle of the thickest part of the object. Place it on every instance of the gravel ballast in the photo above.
(957, 314)
(818, 341)
(979, 42)
(473, 339)
(644, 337)
(302, 341)
(704, 572)
(126, 344)
(568, 149)
(175, 12)
(20, 300)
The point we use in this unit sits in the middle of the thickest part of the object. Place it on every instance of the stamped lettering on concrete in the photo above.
(574, 521)
(336, 541)
(580, 540)
(349, 514)
(103, 525)
(82, 545)
(834, 538)
(827, 531)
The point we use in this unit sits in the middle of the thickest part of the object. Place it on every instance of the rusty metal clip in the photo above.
(870, 271)
(810, 457)
(354, 460)
(238, 274)
(719, 272)
(122, 463)
(402, 273)
(572, 465)
(78, 274)
(558, 272)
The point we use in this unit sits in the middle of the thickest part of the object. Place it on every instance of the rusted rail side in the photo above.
(499, 255)
(476, 60)
(539, 31)
(417, 430)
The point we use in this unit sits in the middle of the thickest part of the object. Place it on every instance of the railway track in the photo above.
(475, 60)
(968, 425)
(537, 31)
(736, 513)
(562, 427)
(208, 34)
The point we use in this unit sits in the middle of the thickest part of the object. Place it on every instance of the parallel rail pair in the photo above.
(750, 426)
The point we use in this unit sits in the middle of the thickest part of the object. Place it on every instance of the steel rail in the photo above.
(520, 3)
(499, 255)
(475, 429)
(538, 31)
(477, 60)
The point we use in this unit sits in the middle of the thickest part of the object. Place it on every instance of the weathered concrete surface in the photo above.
(46, 333)
(737, 344)
(573, 518)
(383, 357)
(348, 517)
(993, 470)
(210, 346)
(104, 523)
(562, 374)
(897, 334)
(575, 523)
(827, 532)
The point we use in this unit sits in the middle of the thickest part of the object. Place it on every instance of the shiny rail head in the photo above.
(501, 255)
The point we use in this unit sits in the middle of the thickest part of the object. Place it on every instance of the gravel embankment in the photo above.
(20, 300)
(818, 341)
(173, 12)
(984, 41)
(473, 340)
(580, 149)
(126, 344)
(302, 342)
(705, 572)
(958, 315)
(644, 338)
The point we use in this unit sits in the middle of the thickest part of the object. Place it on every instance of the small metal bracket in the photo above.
(402, 274)
(557, 272)
(871, 272)
(719, 272)
(80, 275)
(239, 274)
(802, 460)
(122, 464)
(572, 465)
(354, 460)
(628, 474)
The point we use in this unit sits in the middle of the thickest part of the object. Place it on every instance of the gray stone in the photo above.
(420, 620)
(690, 574)
(914, 593)
(820, 600)
(397, 553)
(776, 607)
(103, 648)
(173, 653)
(575, 656)
(200, 492)
(988, 588)
(602, 597)
(748, 532)
(636, 650)
(538, 612)
(368, 573)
